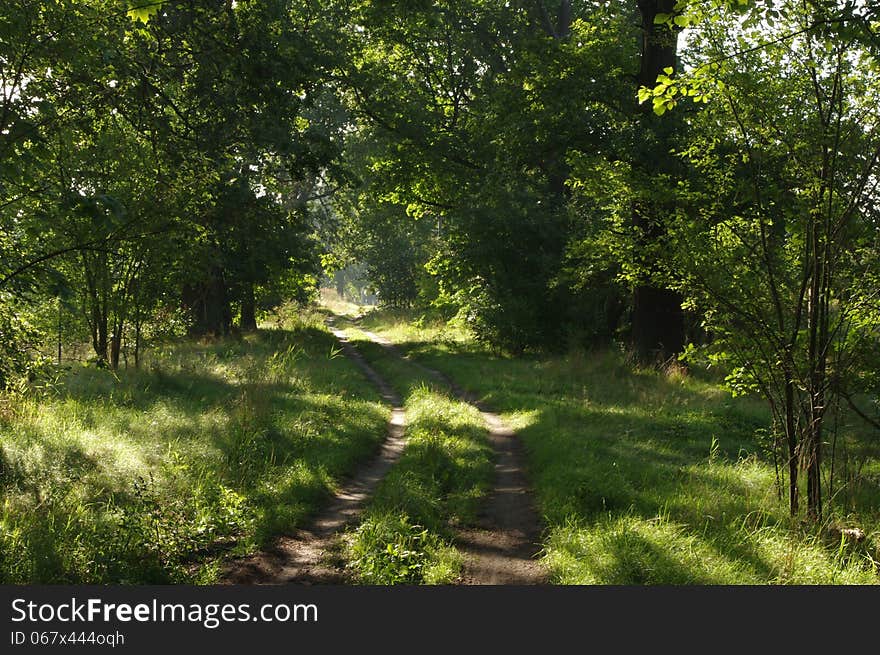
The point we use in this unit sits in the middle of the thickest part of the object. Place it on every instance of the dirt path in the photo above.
(501, 548)
(306, 557)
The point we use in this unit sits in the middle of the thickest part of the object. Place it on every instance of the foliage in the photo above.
(437, 86)
(146, 165)
(18, 341)
(388, 549)
(777, 232)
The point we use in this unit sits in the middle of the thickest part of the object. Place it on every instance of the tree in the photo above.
(482, 105)
(778, 233)
(657, 316)
(238, 102)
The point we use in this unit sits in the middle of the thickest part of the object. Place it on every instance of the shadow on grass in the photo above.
(238, 441)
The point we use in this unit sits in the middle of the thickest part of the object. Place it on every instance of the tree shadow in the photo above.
(280, 441)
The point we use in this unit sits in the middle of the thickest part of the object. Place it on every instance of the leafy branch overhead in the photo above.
(761, 26)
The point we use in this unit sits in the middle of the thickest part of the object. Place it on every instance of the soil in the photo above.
(311, 555)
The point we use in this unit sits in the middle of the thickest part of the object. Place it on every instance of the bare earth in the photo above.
(499, 550)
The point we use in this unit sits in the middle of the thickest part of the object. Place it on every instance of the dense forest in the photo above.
(685, 190)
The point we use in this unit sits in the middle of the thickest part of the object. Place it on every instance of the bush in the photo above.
(19, 361)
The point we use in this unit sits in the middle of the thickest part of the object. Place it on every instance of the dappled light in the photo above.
(643, 478)
(220, 445)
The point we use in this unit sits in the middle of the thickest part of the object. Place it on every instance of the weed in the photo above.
(388, 549)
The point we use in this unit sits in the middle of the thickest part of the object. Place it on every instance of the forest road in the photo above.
(501, 548)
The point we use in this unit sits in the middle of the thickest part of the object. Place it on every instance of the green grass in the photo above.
(646, 477)
(336, 304)
(156, 475)
(443, 474)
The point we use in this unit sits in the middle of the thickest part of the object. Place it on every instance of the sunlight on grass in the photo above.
(645, 477)
(443, 475)
(210, 449)
(332, 301)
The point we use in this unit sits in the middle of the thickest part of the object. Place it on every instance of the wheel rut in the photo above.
(501, 548)
(307, 555)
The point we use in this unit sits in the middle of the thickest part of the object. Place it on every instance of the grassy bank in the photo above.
(654, 478)
(154, 475)
(444, 473)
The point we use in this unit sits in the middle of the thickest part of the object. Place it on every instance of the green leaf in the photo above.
(143, 10)
(660, 106)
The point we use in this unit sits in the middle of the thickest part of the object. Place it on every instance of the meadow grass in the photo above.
(648, 477)
(444, 473)
(157, 474)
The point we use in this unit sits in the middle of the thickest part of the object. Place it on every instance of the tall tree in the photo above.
(657, 315)
(483, 105)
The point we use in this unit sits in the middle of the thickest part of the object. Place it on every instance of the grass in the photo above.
(331, 300)
(444, 473)
(211, 449)
(157, 474)
(645, 477)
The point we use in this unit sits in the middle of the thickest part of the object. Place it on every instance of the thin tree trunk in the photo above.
(115, 346)
(137, 334)
(59, 330)
(208, 305)
(791, 436)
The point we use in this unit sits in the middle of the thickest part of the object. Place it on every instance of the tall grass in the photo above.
(155, 475)
(647, 477)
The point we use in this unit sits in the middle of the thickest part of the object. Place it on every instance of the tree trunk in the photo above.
(115, 347)
(99, 332)
(657, 316)
(60, 331)
(657, 324)
(814, 473)
(95, 309)
(208, 306)
(791, 437)
(817, 352)
(561, 27)
(248, 318)
(137, 334)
